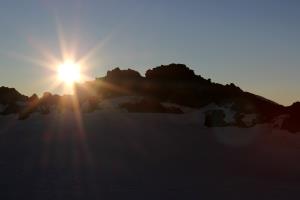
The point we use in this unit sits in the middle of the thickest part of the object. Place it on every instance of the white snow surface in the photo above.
(111, 155)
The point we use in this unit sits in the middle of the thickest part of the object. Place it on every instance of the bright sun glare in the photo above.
(69, 72)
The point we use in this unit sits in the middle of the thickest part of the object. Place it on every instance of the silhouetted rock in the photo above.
(294, 109)
(46, 102)
(119, 75)
(12, 100)
(10, 95)
(215, 118)
(292, 122)
(11, 108)
(171, 72)
(32, 106)
(176, 83)
(150, 106)
(117, 82)
(33, 98)
(173, 83)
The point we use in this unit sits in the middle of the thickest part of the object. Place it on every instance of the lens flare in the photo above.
(69, 72)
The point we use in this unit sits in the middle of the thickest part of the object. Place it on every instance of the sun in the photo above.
(69, 72)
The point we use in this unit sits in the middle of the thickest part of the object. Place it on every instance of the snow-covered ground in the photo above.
(112, 155)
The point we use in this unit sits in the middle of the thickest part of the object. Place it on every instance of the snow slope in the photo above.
(113, 155)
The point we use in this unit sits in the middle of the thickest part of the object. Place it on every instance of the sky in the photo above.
(252, 43)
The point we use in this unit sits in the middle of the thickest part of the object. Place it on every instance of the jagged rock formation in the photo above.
(172, 72)
(174, 83)
(11, 100)
(117, 75)
(9, 95)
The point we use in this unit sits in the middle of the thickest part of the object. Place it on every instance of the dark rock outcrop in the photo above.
(173, 83)
(292, 122)
(11, 95)
(177, 72)
(215, 118)
(121, 75)
(12, 99)
(150, 106)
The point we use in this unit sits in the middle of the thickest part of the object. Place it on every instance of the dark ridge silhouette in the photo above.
(176, 83)
(173, 83)
(33, 98)
(250, 103)
(12, 99)
(172, 72)
(117, 75)
(291, 123)
(10, 95)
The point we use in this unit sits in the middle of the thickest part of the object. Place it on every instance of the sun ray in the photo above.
(62, 41)
(68, 50)
(46, 54)
(35, 61)
(95, 49)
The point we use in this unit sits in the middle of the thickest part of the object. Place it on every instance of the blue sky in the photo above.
(254, 43)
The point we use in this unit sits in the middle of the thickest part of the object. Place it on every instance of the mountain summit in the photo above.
(174, 84)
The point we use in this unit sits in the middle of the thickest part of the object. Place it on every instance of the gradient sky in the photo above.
(254, 44)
